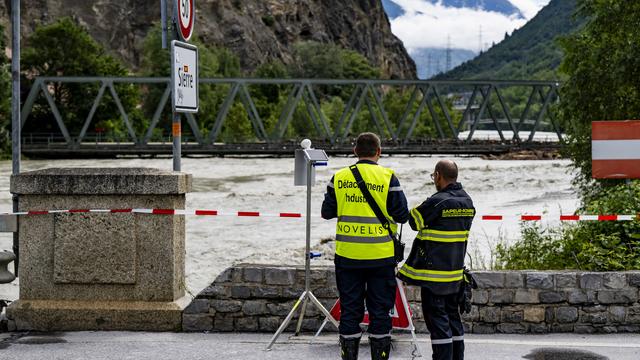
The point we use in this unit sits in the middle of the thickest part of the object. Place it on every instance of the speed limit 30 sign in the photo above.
(185, 18)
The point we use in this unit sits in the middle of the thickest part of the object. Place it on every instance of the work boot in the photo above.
(380, 347)
(349, 348)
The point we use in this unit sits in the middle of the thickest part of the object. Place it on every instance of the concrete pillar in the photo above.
(101, 271)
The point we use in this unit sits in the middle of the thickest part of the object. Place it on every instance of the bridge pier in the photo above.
(100, 271)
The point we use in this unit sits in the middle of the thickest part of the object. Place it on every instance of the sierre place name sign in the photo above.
(184, 77)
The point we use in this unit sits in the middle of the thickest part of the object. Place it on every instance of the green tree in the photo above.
(603, 65)
(213, 62)
(65, 48)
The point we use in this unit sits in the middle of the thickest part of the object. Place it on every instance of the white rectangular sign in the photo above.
(184, 77)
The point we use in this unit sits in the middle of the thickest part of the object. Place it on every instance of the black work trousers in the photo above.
(375, 285)
(442, 317)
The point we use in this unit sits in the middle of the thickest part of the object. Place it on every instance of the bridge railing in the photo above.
(443, 110)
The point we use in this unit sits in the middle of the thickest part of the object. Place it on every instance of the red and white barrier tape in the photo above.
(299, 215)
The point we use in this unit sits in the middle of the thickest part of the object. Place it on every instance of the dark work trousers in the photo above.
(376, 285)
(445, 326)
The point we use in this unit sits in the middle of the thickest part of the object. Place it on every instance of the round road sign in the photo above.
(185, 18)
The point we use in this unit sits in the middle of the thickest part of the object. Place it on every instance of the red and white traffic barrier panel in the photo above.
(526, 217)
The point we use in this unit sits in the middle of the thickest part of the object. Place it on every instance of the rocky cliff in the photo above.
(256, 30)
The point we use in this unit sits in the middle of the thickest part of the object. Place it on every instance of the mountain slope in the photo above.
(529, 53)
(256, 30)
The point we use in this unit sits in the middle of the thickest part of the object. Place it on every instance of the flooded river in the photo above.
(500, 187)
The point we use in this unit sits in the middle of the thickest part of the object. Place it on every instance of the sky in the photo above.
(427, 25)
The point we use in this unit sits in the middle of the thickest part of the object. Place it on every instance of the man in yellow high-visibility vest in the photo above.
(436, 260)
(364, 259)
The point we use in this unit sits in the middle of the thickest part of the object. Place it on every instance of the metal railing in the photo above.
(449, 106)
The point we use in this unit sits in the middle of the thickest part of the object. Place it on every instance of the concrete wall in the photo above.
(100, 271)
(258, 297)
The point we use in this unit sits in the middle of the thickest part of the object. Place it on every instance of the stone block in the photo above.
(562, 328)
(593, 318)
(197, 322)
(551, 297)
(634, 279)
(249, 324)
(514, 280)
(633, 315)
(615, 280)
(617, 296)
(280, 276)
(591, 281)
(468, 327)
(225, 276)
(490, 314)
(269, 324)
(328, 292)
(480, 297)
(266, 292)
(82, 315)
(584, 329)
(223, 323)
(481, 328)
(113, 265)
(198, 306)
(534, 314)
(594, 309)
(473, 315)
(280, 309)
(526, 297)
(489, 279)
(239, 291)
(512, 328)
(628, 329)
(252, 274)
(566, 280)
(608, 330)
(538, 328)
(254, 307)
(91, 181)
(215, 291)
(581, 296)
(566, 314)
(549, 315)
(94, 249)
(617, 314)
(512, 315)
(226, 306)
(501, 296)
(539, 280)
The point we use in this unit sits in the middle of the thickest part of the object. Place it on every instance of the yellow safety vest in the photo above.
(359, 234)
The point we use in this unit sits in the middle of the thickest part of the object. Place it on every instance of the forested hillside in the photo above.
(531, 52)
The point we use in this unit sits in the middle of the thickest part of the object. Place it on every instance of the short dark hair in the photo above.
(447, 169)
(367, 144)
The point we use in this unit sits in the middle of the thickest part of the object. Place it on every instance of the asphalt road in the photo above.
(193, 346)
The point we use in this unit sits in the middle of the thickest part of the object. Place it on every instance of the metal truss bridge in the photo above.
(413, 117)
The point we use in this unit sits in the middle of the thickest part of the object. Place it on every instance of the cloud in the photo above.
(425, 24)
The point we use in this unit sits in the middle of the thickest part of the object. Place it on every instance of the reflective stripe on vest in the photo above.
(443, 236)
(417, 218)
(431, 275)
(359, 234)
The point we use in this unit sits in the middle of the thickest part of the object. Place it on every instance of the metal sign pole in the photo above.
(307, 260)
(177, 141)
(15, 112)
(163, 26)
(312, 157)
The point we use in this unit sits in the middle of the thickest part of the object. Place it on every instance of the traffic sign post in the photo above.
(185, 18)
(184, 73)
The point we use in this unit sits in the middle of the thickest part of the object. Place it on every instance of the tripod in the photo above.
(307, 296)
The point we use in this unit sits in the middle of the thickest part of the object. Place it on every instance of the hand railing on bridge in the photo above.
(449, 110)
